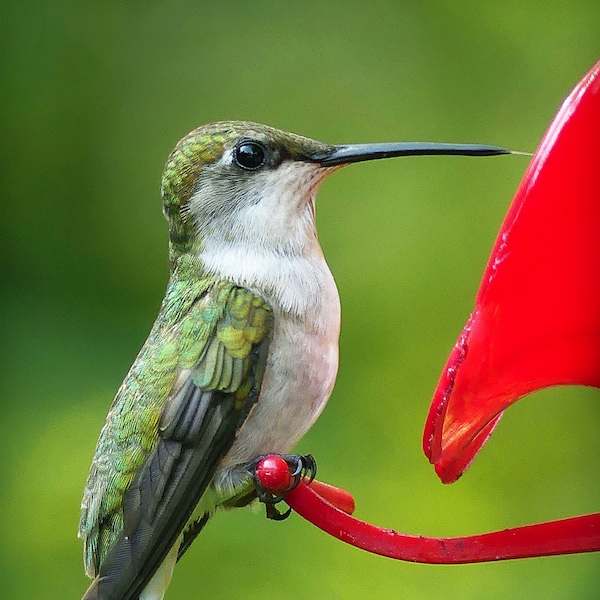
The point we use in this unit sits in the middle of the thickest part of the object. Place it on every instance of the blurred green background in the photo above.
(95, 95)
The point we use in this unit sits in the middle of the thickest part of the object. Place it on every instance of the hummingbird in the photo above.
(242, 357)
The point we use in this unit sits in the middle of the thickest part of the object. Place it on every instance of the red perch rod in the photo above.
(565, 536)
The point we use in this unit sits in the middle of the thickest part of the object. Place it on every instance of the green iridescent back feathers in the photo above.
(205, 330)
(222, 324)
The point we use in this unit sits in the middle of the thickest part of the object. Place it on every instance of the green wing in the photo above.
(188, 393)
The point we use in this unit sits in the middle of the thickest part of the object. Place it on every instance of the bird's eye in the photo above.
(249, 155)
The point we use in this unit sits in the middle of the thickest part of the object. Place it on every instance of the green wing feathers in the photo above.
(207, 349)
(226, 357)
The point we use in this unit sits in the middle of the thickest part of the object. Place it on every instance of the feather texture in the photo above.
(198, 419)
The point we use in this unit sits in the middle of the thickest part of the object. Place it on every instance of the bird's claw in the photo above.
(274, 514)
(299, 465)
(305, 466)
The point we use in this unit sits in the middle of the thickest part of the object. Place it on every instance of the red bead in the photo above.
(274, 475)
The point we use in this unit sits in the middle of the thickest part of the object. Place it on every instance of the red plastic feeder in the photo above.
(536, 321)
(536, 324)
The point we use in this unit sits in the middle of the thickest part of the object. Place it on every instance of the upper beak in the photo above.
(350, 153)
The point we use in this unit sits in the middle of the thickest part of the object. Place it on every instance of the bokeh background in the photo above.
(95, 95)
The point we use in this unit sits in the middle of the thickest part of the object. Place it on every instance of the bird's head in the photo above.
(240, 182)
(236, 182)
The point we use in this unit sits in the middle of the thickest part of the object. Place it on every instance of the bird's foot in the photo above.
(276, 474)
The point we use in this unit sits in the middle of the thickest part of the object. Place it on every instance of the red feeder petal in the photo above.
(536, 321)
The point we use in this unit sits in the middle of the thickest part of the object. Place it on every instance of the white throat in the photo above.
(291, 284)
(269, 244)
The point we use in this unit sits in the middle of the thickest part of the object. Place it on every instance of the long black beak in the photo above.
(341, 155)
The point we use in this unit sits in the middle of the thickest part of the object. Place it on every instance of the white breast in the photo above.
(303, 356)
